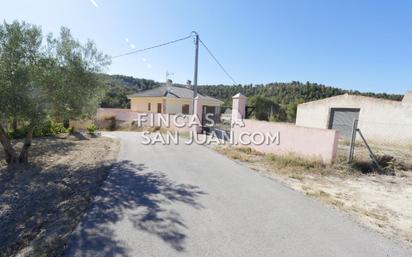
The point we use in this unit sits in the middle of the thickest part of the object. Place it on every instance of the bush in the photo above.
(18, 133)
(50, 128)
(91, 129)
(107, 122)
(70, 130)
(47, 128)
(112, 122)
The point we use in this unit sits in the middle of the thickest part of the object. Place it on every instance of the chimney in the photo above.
(189, 84)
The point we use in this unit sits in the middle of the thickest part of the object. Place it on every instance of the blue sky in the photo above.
(362, 45)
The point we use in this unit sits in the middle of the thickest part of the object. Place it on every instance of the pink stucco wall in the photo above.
(313, 143)
(128, 116)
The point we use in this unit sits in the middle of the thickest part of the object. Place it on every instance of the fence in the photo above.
(379, 146)
(218, 123)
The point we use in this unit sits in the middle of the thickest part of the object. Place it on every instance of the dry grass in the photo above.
(380, 202)
(41, 203)
(289, 164)
(244, 154)
(324, 197)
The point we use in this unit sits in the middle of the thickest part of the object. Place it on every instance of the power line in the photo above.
(175, 41)
(148, 48)
(216, 60)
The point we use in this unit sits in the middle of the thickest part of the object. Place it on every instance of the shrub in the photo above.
(107, 122)
(91, 129)
(70, 130)
(47, 128)
(18, 133)
(112, 125)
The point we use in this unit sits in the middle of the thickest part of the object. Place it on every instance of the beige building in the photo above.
(171, 100)
(379, 119)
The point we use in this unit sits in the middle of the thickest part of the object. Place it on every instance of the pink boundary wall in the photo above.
(312, 143)
(128, 116)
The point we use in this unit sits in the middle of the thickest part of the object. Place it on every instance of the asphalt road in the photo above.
(181, 200)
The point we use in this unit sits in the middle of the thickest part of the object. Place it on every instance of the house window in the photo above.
(148, 107)
(185, 109)
(159, 108)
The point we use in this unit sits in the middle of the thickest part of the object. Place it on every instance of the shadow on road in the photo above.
(145, 197)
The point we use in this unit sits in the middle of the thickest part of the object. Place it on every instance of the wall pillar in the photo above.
(198, 113)
(238, 107)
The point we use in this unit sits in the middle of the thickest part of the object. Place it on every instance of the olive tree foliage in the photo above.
(53, 77)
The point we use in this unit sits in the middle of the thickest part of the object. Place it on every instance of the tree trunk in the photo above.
(24, 154)
(14, 124)
(11, 156)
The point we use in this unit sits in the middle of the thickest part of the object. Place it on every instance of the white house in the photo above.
(379, 119)
(171, 100)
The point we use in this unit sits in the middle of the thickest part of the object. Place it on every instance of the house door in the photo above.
(159, 108)
(342, 119)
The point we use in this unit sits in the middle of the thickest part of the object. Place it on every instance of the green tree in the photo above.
(291, 110)
(265, 108)
(54, 79)
(287, 95)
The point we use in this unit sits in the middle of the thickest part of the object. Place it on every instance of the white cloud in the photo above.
(149, 66)
(132, 46)
(126, 39)
(94, 3)
(144, 59)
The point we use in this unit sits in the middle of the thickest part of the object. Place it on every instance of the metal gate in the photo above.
(220, 126)
(342, 120)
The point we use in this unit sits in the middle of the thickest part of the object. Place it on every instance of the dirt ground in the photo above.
(381, 202)
(41, 203)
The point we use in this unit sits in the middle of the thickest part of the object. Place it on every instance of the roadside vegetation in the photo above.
(381, 202)
(49, 173)
(44, 79)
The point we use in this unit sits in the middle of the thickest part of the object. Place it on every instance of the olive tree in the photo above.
(55, 77)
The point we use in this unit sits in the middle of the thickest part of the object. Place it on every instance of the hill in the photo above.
(117, 87)
(273, 101)
(279, 101)
(285, 93)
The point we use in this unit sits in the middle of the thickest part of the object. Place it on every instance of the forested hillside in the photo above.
(284, 93)
(119, 86)
(279, 101)
(273, 101)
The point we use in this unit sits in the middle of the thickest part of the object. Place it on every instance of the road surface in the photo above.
(181, 200)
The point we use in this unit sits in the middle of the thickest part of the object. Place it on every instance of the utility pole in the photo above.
(196, 63)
